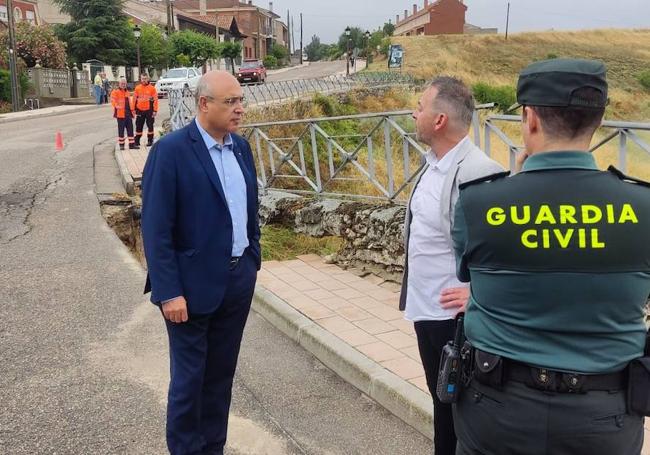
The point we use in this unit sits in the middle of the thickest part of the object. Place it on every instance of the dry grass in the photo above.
(282, 244)
(493, 60)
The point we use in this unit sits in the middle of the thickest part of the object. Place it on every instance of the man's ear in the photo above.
(530, 120)
(440, 122)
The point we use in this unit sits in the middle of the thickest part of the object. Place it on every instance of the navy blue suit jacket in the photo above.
(186, 224)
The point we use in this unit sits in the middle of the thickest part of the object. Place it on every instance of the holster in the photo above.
(638, 390)
(489, 369)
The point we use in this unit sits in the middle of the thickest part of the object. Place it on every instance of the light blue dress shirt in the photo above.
(234, 187)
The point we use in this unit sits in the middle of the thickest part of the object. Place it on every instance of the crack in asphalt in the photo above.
(18, 203)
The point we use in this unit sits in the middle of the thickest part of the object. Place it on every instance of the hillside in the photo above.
(491, 59)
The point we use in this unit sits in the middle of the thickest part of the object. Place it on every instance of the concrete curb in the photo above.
(398, 396)
(127, 180)
(8, 118)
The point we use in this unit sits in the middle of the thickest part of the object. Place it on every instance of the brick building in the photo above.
(24, 10)
(439, 17)
(262, 27)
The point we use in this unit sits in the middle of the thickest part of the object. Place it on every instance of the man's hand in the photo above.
(154, 114)
(175, 310)
(454, 299)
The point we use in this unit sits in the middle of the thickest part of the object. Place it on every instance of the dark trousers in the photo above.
(124, 124)
(203, 357)
(521, 420)
(140, 120)
(432, 337)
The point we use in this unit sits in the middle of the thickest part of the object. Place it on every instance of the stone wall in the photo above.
(372, 233)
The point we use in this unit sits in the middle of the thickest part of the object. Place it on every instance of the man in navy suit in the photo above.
(201, 240)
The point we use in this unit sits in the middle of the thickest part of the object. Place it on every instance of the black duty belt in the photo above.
(563, 382)
(234, 261)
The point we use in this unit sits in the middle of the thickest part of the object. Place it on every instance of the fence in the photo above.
(376, 156)
(182, 105)
(57, 83)
(624, 132)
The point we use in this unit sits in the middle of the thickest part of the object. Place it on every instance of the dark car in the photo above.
(251, 71)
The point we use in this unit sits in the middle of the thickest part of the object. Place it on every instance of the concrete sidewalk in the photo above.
(48, 112)
(353, 326)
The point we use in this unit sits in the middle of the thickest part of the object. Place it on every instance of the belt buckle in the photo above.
(543, 379)
(572, 383)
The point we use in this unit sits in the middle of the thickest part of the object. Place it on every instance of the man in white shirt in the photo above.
(431, 294)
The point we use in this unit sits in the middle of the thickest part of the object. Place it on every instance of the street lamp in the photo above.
(347, 57)
(137, 33)
(367, 48)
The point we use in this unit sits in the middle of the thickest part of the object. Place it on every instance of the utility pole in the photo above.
(301, 38)
(507, 20)
(288, 34)
(13, 70)
(293, 35)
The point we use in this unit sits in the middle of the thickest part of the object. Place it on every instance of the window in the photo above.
(3, 13)
(31, 18)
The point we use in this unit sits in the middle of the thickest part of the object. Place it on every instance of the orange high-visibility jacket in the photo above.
(146, 98)
(119, 100)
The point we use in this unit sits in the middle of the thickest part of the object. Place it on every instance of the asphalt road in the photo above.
(313, 70)
(84, 356)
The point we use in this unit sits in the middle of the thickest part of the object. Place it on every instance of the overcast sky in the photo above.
(328, 18)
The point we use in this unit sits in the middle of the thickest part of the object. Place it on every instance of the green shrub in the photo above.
(644, 79)
(5, 85)
(270, 61)
(551, 56)
(503, 96)
(326, 104)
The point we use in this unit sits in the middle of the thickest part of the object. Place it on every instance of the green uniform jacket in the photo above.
(559, 260)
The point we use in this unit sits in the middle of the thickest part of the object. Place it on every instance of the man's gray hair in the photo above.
(202, 89)
(455, 99)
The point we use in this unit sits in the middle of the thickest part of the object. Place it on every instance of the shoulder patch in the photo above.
(627, 178)
(487, 178)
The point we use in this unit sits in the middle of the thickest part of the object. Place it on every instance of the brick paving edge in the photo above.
(398, 396)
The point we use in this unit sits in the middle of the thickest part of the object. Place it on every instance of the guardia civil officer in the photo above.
(559, 261)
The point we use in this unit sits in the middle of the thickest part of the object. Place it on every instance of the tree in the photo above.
(357, 39)
(231, 50)
(279, 52)
(37, 43)
(314, 49)
(198, 47)
(98, 30)
(388, 29)
(154, 50)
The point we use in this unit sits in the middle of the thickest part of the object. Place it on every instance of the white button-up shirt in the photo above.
(431, 261)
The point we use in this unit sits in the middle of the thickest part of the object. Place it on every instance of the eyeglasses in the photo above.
(230, 102)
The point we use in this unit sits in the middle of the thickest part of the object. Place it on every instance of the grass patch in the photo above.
(282, 244)
(492, 60)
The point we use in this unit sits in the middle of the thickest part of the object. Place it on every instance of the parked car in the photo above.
(178, 78)
(251, 71)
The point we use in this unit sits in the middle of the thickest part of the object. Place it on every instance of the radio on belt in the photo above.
(449, 375)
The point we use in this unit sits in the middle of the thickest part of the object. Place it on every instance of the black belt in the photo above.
(563, 382)
(234, 261)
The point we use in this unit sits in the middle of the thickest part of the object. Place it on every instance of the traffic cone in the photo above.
(58, 141)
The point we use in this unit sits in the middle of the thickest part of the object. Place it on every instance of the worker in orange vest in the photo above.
(146, 107)
(123, 111)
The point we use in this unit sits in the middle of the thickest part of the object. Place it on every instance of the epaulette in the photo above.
(627, 178)
(487, 178)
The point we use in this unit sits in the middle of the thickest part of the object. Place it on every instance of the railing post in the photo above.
(388, 146)
(301, 153)
(622, 150)
(486, 140)
(476, 124)
(371, 159)
(314, 148)
(262, 170)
